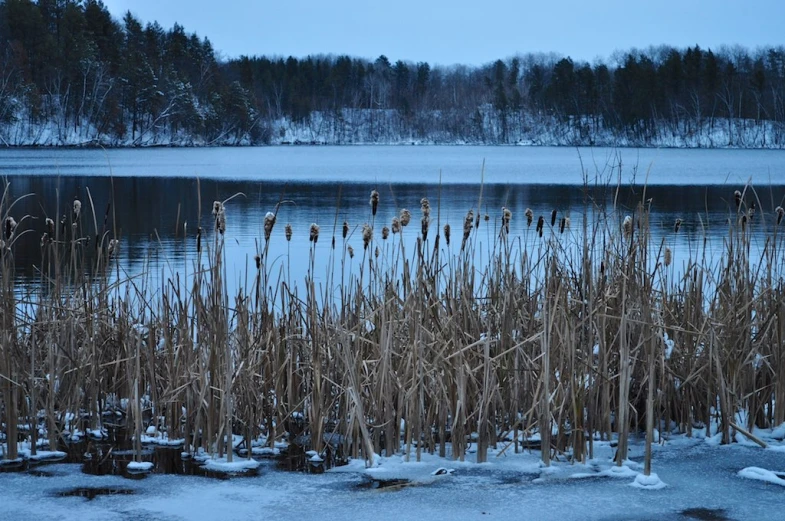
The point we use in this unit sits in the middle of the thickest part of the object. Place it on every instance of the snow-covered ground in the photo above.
(698, 475)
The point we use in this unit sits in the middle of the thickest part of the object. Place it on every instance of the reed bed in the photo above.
(561, 333)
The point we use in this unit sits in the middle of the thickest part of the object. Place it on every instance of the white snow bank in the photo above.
(143, 466)
(650, 482)
(762, 475)
(238, 465)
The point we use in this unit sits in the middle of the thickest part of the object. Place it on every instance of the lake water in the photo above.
(155, 192)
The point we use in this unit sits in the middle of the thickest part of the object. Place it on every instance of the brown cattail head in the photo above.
(677, 226)
(751, 211)
(376, 252)
(396, 225)
(529, 216)
(10, 227)
(426, 222)
(77, 209)
(50, 227)
(258, 260)
(540, 225)
(374, 201)
(269, 222)
(44, 239)
(406, 217)
(486, 218)
(627, 227)
(385, 233)
(562, 224)
(506, 217)
(737, 197)
(114, 245)
(288, 231)
(447, 233)
(553, 218)
(743, 222)
(468, 222)
(199, 239)
(780, 214)
(219, 212)
(567, 222)
(367, 236)
(668, 257)
(345, 230)
(314, 235)
(351, 251)
(602, 267)
(425, 206)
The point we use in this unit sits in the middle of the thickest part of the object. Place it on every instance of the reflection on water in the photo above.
(156, 218)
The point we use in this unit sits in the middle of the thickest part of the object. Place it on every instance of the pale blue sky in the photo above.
(469, 32)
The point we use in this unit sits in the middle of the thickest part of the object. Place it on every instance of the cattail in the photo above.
(367, 236)
(468, 222)
(63, 227)
(44, 239)
(351, 252)
(567, 222)
(506, 216)
(562, 224)
(780, 214)
(374, 202)
(10, 227)
(540, 225)
(477, 224)
(385, 233)
(258, 260)
(751, 211)
(486, 218)
(199, 239)
(627, 227)
(111, 250)
(406, 217)
(668, 257)
(677, 226)
(50, 227)
(447, 233)
(269, 222)
(744, 222)
(314, 236)
(376, 252)
(345, 230)
(426, 222)
(288, 232)
(425, 206)
(219, 212)
(602, 267)
(737, 196)
(396, 225)
(77, 209)
(553, 218)
(529, 216)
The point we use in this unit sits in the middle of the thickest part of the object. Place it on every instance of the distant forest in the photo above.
(71, 74)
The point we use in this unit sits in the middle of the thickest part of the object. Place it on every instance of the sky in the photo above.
(472, 32)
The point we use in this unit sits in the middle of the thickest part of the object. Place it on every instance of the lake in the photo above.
(153, 195)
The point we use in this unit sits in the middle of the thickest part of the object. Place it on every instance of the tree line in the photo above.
(70, 73)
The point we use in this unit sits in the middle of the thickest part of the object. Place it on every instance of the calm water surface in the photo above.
(156, 195)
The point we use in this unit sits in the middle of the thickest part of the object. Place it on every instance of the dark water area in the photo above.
(156, 205)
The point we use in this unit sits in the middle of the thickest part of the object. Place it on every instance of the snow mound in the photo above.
(619, 472)
(650, 482)
(221, 465)
(763, 475)
(140, 466)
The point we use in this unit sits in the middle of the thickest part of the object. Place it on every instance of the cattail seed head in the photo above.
(677, 226)
(396, 225)
(385, 233)
(506, 216)
(540, 224)
(114, 244)
(258, 260)
(50, 227)
(10, 227)
(486, 218)
(406, 217)
(314, 235)
(447, 233)
(627, 227)
(44, 239)
(376, 252)
(367, 235)
(567, 222)
(288, 231)
(426, 222)
(374, 201)
(351, 251)
(269, 222)
(529, 216)
(199, 239)
(751, 211)
(737, 197)
(77, 209)
(425, 206)
(780, 214)
(345, 230)
(219, 212)
(743, 221)
(553, 218)
(562, 224)
(668, 257)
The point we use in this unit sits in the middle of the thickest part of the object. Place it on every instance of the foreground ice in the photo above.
(698, 476)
